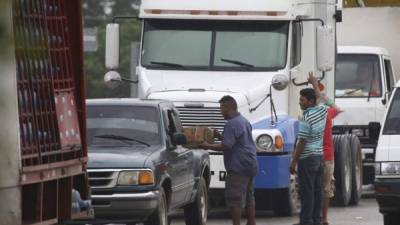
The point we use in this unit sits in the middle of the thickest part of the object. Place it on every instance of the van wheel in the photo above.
(287, 202)
(357, 172)
(160, 215)
(391, 218)
(343, 170)
(196, 212)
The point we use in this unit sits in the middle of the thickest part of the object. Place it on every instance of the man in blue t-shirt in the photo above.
(240, 161)
(307, 157)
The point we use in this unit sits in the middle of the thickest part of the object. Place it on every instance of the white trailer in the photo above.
(260, 52)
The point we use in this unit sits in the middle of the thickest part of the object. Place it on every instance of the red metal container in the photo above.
(51, 105)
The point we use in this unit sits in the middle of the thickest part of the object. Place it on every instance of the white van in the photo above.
(387, 162)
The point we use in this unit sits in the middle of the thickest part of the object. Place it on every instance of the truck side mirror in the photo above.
(325, 48)
(179, 139)
(112, 79)
(374, 129)
(280, 82)
(112, 46)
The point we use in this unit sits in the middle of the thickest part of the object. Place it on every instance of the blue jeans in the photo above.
(310, 175)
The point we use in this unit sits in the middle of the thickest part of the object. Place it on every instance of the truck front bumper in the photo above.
(136, 206)
(388, 194)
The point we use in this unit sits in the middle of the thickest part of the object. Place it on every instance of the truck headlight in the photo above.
(264, 142)
(131, 177)
(390, 168)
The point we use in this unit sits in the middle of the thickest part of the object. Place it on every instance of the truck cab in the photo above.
(387, 162)
(138, 168)
(260, 53)
(363, 84)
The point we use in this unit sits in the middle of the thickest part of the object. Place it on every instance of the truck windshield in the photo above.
(392, 124)
(115, 125)
(215, 45)
(357, 76)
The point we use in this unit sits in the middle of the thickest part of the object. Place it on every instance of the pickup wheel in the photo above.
(196, 212)
(357, 173)
(343, 170)
(160, 215)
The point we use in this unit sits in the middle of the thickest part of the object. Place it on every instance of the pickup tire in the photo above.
(343, 170)
(160, 215)
(196, 212)
(357, 172)
(391, 218)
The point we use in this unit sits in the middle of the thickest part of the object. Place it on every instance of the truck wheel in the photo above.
(287, 202)
(343, 171)
(357, 173)
(160, 216)
(391, 218)
(196, 212)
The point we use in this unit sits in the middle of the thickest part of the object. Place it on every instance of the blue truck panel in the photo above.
(273, 172)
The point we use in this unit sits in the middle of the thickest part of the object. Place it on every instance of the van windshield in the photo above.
(392, 123)
(116, 125)
(215, 45)
(357, 76)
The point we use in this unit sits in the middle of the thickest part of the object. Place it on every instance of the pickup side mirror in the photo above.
(178, 139)
(374, 130)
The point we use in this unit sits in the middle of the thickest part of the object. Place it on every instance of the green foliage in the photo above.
(5, 38)
(130, 30)
(94, 62)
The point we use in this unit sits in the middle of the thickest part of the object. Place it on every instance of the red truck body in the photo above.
(48, 48)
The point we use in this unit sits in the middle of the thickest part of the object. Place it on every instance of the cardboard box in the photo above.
(196, 135)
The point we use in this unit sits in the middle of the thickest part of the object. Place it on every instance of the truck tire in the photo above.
(196, 212)
(286, 201)
(160, 215)
(391, 218)
(357, 171)
(343, 171)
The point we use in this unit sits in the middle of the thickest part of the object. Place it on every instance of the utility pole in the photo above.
(134, 62)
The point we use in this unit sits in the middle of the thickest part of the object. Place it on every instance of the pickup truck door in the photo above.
(180, 162)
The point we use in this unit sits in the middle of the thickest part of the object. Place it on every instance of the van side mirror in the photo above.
(179, 139)
(325, 48)
(112, 46)
(374, 129)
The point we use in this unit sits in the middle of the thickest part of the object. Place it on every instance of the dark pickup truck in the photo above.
(138, 168)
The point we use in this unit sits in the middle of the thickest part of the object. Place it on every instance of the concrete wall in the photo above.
(10, 206)
(374, 27)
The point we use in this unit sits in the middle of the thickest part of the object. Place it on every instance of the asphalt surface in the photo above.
(366, 213)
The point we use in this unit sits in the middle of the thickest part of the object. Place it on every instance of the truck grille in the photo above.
(209, 116)
(102, 178)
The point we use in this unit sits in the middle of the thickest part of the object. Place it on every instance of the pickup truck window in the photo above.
(203, 45)
(392, 123)
(358, 76)
(122, 122)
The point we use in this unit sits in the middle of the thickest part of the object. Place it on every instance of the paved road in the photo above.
(366, 213)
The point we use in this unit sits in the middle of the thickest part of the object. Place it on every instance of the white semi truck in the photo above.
(363, 85)
(194, 52)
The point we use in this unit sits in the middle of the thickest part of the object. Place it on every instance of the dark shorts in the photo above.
(239, 190)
